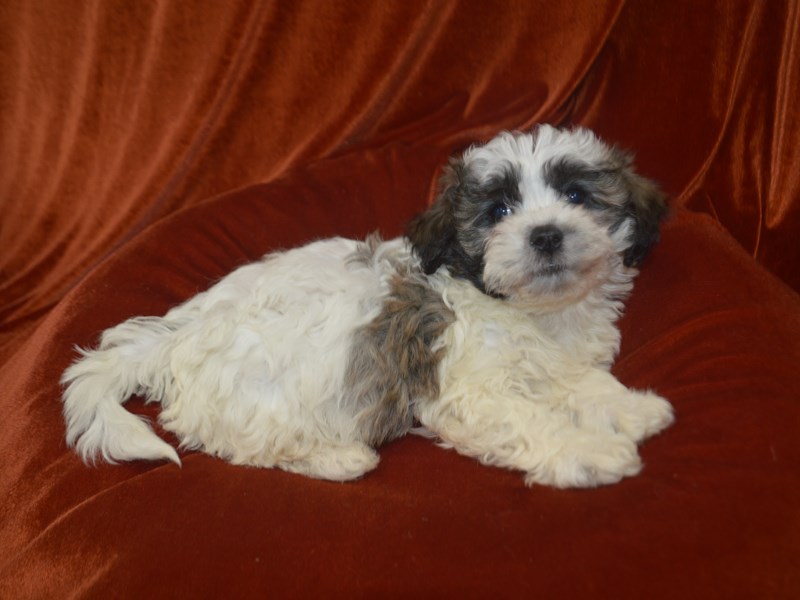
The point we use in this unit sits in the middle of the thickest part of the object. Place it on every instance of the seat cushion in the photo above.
(715, 507)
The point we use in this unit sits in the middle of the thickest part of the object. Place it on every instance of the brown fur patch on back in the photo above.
(392, 363)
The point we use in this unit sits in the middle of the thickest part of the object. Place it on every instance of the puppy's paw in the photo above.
(335, 462)
(646, 414)
(588, 459)
(637, 415)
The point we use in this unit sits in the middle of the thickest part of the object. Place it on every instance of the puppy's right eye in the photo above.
(576, 196)
(500, 211)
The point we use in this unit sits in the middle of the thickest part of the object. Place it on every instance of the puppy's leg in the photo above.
(253, 424)
(601, 403)
(537, 437)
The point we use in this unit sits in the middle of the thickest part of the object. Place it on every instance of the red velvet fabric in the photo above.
(149, 148)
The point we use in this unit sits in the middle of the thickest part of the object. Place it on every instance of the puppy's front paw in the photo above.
(648, 415)
(588, 459)
(637, 415)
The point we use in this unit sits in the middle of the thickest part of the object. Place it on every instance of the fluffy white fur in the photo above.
(258, 370)
(513, 396)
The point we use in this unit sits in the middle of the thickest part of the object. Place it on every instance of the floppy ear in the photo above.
(647, 207)
(433, 232)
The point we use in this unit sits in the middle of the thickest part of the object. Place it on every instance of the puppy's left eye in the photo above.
(576, 196)
(500, 211)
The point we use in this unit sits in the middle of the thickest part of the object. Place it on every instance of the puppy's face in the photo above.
(540, 218)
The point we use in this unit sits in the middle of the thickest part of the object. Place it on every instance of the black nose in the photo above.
(546, 238)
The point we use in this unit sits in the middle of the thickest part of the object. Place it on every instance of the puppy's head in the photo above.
(541, 217)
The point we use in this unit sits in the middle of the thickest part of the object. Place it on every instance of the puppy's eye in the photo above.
(500, 211)
(576, 196)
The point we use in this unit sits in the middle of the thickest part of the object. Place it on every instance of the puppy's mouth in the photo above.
(551, 270)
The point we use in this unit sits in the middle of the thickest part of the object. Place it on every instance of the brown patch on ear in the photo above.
(392, 363)
(433, 233)
(647, 206)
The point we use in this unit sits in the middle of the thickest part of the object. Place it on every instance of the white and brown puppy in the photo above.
(492, 324)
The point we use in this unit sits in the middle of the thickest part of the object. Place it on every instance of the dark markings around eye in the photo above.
(582, 184)
(498, 196)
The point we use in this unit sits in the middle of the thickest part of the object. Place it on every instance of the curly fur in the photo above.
(491, 323)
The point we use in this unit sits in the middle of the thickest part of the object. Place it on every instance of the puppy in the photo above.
(491, 324)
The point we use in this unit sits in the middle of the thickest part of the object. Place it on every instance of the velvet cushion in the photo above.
(715, 507)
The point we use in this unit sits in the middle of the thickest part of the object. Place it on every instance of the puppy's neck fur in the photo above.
(587, 329)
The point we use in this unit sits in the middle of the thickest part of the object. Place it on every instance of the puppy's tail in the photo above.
(101, 380)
